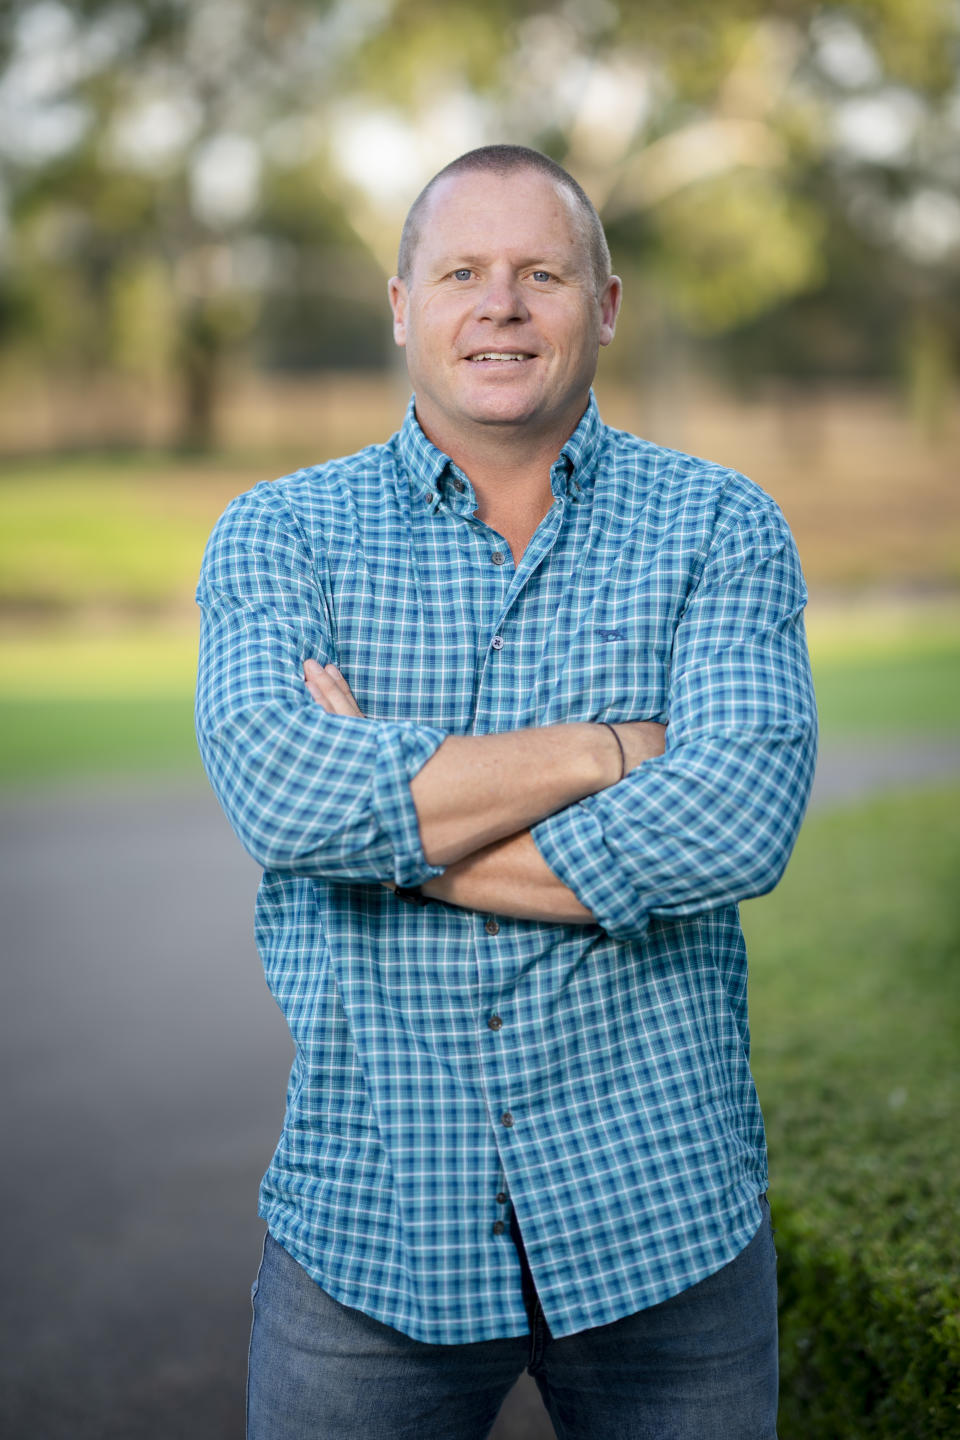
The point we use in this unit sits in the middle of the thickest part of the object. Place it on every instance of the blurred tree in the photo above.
(183, 180)
(144, 219)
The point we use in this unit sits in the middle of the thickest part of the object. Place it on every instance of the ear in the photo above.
(610, 308)
(397, 291)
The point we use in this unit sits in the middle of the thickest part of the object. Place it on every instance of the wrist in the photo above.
(603, 746)
(620, 750)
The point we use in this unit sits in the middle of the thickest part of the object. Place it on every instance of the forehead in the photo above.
(523, 213)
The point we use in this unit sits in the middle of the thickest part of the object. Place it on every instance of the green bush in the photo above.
(854, 1005)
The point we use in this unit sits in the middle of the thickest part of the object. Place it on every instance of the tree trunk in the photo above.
(200, 354)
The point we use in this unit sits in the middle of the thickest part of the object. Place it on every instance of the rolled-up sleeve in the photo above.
(714, 819)
(306, 792)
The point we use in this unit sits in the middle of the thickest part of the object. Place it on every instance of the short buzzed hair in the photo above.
(505, 160)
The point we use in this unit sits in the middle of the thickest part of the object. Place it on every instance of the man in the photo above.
(499, 901)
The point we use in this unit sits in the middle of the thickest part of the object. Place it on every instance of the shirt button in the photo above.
(506, 1119)
(495, 1022)
(497, 642)
(498, 1227)
(458, 486)
(501, 1198)
(498, 557)
(492, 928)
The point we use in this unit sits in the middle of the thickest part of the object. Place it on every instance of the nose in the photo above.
(501, 300)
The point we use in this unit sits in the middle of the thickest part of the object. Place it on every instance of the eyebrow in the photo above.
(537, 262)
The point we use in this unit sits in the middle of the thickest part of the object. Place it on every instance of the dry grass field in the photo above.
(873, 502)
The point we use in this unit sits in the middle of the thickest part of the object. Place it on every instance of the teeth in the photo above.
(498, 355)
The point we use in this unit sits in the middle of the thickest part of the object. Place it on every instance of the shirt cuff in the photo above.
(404, 750)
(572, 845)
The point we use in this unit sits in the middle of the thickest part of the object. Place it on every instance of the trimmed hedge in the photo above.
(864, 1352)
(855, 1008)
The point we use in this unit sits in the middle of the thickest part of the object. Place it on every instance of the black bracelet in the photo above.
(411, 895)
(623, 758)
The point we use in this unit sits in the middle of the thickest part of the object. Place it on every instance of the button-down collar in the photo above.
(435, 481)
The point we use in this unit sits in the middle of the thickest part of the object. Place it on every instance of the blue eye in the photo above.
(542, 275)
(462, 274)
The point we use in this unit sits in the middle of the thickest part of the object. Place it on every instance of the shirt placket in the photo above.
(495, 937)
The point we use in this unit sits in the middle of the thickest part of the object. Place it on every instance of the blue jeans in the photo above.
(700, 1366)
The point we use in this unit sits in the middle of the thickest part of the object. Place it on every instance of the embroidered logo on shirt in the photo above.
(610, 635)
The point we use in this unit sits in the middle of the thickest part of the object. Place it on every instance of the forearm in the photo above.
(509, 877)
(478, 789)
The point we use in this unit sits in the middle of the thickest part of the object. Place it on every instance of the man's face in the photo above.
(500, 316)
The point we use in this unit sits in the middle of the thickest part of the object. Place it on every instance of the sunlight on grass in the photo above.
(130, 662)
(64, 543)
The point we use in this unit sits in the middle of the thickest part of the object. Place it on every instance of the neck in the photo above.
(508, 466)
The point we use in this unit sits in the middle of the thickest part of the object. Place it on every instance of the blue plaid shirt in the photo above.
(451, 1065)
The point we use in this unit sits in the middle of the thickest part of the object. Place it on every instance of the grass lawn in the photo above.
(905, 690)
(119, 702)
(855, 1015)
(109, 530)
(886, 667)
(47, 740)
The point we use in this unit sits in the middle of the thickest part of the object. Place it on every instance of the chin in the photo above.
(501, 409)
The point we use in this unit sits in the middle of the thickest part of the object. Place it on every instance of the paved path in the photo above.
(143, 1068)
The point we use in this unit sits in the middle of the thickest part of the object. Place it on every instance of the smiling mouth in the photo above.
(485, 356)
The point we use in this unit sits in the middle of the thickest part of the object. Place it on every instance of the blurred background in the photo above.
(199, 209)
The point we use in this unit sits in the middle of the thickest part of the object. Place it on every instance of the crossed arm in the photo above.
(530, 823)
(478, 795)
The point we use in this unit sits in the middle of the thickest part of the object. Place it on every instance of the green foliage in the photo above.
(725, 182)
(855, 1012)
(439, 46)
(915, 38)
(730, 249)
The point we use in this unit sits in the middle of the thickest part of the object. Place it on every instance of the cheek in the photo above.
(432, 338)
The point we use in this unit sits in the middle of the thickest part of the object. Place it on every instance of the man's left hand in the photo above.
(329, 689)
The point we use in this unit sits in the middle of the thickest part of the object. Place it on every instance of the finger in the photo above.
(317, 693)
(343, 690)
(321, 687)
(329, 689)
(325, 702)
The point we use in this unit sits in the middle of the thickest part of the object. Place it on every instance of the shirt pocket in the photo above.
(611, 668)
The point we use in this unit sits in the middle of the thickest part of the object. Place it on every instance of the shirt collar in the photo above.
(434, 478)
